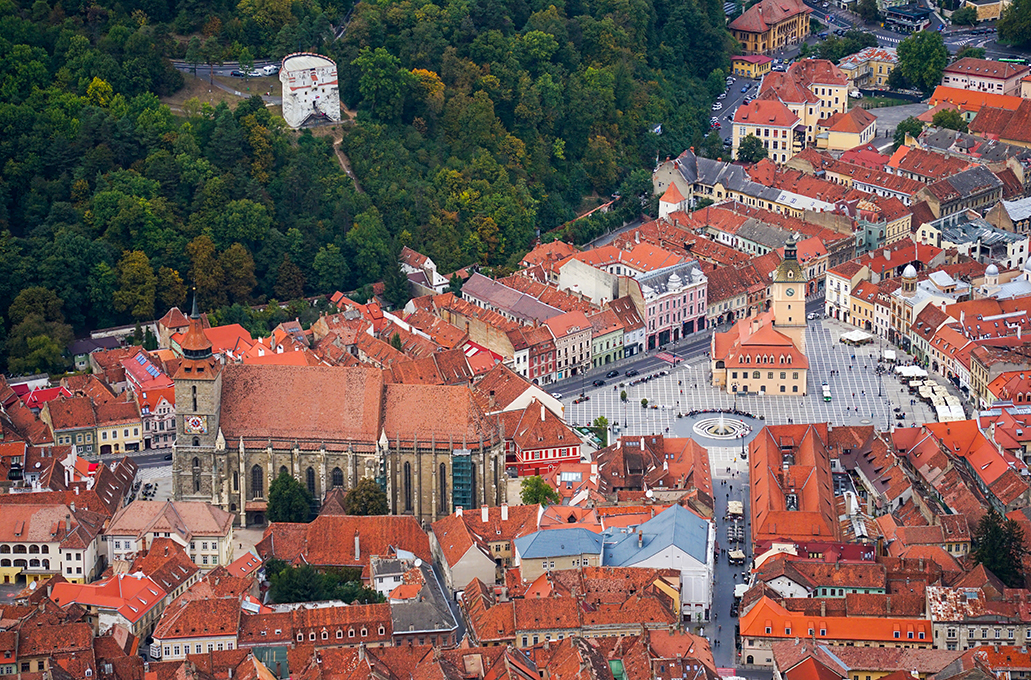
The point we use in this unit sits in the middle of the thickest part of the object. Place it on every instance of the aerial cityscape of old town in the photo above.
(641, 340)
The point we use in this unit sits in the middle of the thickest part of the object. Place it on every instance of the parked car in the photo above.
(744, 89)
(270, 70)
(238, 74)
(168, 456)
(556, 395)
(812, 316)
(716, 106)
(612, 374)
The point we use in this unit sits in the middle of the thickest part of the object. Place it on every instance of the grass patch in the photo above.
(877, 102)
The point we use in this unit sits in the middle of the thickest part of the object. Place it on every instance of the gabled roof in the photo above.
(133, 596)
(185, 518)
(675, 526)
(558, 543)
(853, 121)
(343, 540)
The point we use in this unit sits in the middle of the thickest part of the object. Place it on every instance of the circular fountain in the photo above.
(719, 426)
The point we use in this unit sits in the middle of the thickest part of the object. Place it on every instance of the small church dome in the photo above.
(992, 270)
(909, 272)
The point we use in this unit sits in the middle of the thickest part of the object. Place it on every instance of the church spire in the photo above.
(195, 343)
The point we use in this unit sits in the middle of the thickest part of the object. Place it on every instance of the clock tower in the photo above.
(198, 389)
(788, 297)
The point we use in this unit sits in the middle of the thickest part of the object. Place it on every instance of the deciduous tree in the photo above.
(289, 280)
(171, 290)
(965, 16)
(751, 150)
(535, 491)
(1015, 23)
(366, 498)
(137, 286)
(951, 119)
(238, 267)
(288, 500)
(922, 59)
(910, 126)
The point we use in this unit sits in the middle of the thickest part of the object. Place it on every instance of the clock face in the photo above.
(790, 291)
(195, 424)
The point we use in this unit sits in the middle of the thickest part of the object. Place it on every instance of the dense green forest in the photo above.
(479, 122)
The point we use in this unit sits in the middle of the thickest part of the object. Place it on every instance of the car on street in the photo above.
(238, 74)
(723, 95)
(716, 106)
(631, 373)
(168, 456)
(812, 316)
(598, 383)
(612, 374)
(556, 395)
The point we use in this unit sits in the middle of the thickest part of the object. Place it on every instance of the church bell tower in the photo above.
(198, 390)
(788, 296)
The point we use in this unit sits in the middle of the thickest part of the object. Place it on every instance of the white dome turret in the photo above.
(909, 272)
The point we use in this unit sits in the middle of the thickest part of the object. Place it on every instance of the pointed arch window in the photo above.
(407, 486)
(309, 477)
(257, 483)
(196, 475)
(442, 484)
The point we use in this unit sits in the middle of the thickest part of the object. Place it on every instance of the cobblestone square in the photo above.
(859, 395)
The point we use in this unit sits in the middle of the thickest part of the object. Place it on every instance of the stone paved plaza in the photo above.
(854, 392)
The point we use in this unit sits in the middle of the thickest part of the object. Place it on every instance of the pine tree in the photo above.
(999, 546)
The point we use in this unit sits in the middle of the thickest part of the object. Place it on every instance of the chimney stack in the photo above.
(72, 506)
(67, 524)
(504, 512)
(640, 538)
(458, 511)
(484, 514)
(542, 413)
(357, 547)
(823, 608)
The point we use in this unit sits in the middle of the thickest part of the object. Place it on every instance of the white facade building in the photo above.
(310, 91)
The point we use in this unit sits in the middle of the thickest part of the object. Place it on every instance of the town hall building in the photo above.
(238, 426)
(765, 353)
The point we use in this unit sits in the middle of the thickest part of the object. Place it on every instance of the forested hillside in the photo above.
(478, 123)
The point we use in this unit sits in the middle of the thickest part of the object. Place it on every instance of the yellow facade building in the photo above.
(870, 67)
(750, 65)
(844, 131)
(765, 354)
(770, 25)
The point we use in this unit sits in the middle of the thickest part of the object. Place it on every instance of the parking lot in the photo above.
(859, 396)
(738, 89)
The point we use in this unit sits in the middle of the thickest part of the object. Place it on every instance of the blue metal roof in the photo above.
(558, 543)
(673, 526)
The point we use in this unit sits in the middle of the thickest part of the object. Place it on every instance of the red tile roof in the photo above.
(767, 13)
(985, 68)
(765, 112)
(343, 540)
(853, 121)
